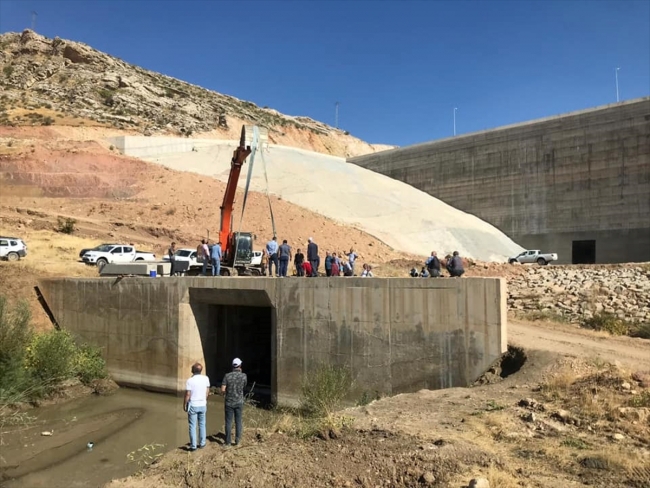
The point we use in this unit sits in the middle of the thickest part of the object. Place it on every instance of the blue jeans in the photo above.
(273, 259)
(216, 267)
(284, 266)
(236, 411)
(192, 414)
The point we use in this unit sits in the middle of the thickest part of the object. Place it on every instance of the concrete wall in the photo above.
(396, 334)
(546, 183)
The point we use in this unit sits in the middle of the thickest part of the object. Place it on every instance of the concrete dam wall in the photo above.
(576, 184)
(395, 334)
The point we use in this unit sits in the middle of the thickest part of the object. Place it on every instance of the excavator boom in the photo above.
(239, 157)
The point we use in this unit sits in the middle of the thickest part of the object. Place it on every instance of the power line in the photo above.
(336, 115)
(34, 15)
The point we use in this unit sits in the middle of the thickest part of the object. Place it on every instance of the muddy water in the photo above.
(117, 425)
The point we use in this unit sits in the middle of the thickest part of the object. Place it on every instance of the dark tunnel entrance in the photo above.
(231, 331)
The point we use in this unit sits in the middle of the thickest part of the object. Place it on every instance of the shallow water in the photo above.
(118, 425)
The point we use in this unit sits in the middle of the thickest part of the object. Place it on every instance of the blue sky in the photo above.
(397, 68)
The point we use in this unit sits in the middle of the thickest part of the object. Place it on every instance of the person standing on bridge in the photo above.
(272, 253)
(171, 252)
(299, 261)
(284, 253)
(232, 387)
(215, 254)
(195, 403)
(312, 256)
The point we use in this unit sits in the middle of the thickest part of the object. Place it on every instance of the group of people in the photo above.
(432, 267)
(211, 255)
(195, 403)
(280, 255)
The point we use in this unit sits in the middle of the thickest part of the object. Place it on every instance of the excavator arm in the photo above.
(239, 157)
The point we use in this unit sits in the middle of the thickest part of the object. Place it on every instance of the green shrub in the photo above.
(65, 225)
(32, 364)
(8, 71)
(607, 322)
(47, 121)
(90, 364)
(640, 400)
(52, 356)
(641, 330)
(324, 388)
(15, 336)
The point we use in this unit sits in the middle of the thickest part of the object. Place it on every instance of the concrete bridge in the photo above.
(395, 334)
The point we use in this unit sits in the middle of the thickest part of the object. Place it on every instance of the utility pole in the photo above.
(455, 108)
(336, 115)
(616, 73)
(34, 15)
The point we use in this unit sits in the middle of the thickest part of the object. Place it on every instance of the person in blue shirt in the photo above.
(272, 253)
(215, 256)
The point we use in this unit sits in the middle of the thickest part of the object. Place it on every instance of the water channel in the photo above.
(117, 425)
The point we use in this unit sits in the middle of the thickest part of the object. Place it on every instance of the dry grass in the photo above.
(558, 385)
(53, 253)
(60, 118)
(501, 478)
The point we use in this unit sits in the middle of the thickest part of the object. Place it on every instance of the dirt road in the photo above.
(570, 340)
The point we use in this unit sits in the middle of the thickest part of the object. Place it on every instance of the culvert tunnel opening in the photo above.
(508, 364)
(238, 331)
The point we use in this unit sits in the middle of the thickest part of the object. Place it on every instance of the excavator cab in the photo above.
(243, 246)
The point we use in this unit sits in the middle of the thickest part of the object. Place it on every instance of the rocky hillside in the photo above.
(60, 82)
(579, 293)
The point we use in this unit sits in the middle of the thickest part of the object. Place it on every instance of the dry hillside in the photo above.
(55, 82)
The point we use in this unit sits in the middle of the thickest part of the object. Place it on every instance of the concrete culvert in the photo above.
(509, 363)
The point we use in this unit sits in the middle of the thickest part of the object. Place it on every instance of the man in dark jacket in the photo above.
(312, 256)
(433, 265)
(455, 265)
(299, 260)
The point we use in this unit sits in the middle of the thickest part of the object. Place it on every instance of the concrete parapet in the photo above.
(395, 334)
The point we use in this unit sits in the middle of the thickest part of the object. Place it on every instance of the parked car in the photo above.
(96, 248)
(115, 253)
(12, 248)
(256, 260)
(534, 256)
(186, 255)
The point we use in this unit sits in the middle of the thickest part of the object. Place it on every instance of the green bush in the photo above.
(90, 364)
(607, 322)
(15, 336)
(52, 356)
(323, 389)
(65, 225)
(32, 364)
(641, 330)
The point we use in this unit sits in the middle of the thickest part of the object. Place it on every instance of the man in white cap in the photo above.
(312, 256)
(232, 387)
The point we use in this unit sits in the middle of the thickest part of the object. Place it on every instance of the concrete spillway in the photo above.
(395, 334)
(405, 218)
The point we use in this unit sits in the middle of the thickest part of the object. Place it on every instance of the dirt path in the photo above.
(569, 340)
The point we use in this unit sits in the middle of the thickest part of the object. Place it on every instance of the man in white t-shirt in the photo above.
(195, 403)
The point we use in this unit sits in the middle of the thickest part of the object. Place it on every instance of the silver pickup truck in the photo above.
(534, 256)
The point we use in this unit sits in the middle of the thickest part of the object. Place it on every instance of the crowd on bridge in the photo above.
(276, 259)
(279, 256)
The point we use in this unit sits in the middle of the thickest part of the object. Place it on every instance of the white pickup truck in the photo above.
(115, 253)
(534, 256)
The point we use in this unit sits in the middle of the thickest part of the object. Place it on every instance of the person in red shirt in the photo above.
(306, 266)
(335, 268)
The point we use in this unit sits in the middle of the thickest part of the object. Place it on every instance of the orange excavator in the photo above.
(237, 247)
